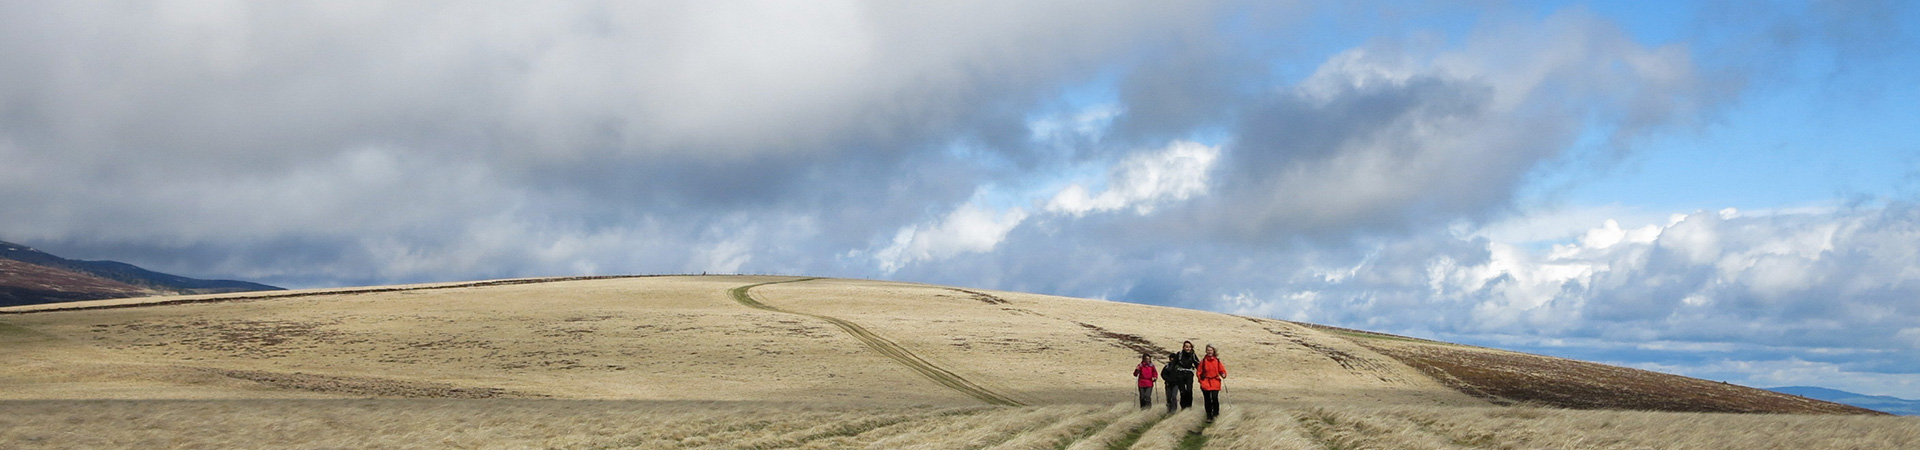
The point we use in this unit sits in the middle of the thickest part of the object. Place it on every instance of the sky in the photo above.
(1722, 189)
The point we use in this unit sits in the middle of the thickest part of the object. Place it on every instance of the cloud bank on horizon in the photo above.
(1499, 174)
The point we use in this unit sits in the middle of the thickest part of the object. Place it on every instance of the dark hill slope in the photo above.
(27, 284)
(1513, 378)
(33, 277)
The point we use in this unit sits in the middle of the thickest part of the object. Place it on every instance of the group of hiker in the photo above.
(1180, 371)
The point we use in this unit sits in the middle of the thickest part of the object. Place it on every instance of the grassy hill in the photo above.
(668, 338)
(914, 353)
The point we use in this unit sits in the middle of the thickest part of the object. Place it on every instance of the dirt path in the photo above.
(885, 347)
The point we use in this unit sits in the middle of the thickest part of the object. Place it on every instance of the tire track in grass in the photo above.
(886, 347)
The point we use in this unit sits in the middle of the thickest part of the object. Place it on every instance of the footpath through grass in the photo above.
(1196, 439)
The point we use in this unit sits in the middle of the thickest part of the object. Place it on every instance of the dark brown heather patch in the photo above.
(1127, 341)
(982, 296)
(1510, 378)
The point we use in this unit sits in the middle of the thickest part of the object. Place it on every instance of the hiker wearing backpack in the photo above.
(1179, 375)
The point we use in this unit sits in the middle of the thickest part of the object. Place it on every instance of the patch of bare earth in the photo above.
(1510, 378)
(981, 296)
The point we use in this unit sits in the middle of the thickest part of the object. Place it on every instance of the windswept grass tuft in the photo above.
(981, 430)
(1065, 432)
(573, 424)
(1169, 433)
(1121, 432)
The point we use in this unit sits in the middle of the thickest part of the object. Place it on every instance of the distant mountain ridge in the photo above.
(29, 276)
(1882, 403)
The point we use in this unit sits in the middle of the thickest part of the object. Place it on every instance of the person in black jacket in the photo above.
(1179, 375)
(1172, 378)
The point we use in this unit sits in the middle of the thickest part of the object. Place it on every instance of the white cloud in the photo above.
(1826, 285)
(723, 256)
(1553, 225)
(1697, 238)
(1299, 305)
(1144, 181)
(1785, 270)
(967, 229)
(1610, 233)
(1140, 183)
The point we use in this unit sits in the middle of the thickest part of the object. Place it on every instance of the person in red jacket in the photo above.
(1147, 375)
(1211, 372)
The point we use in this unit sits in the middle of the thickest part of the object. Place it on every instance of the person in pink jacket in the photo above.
(1145, 373)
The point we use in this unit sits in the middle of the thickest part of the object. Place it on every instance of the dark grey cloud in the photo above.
(1192, 84)
(436, 132)
(397, 137)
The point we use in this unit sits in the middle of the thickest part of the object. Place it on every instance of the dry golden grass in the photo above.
(1043, 349)
(675, 338)
(662, 338)
(1520, 428)
(1121, 430)
(679, 362)
(980, 430)
(1168, 434)
(594, 424)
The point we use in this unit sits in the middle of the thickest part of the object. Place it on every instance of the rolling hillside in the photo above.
(781, 339)
(730, 362)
